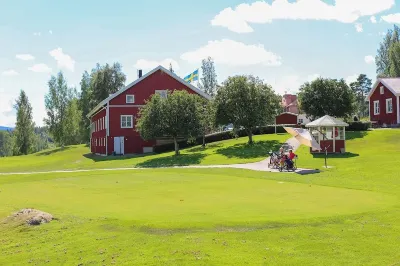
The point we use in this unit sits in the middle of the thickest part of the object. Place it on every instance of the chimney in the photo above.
(140, 73)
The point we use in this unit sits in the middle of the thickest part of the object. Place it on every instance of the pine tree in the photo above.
(24, 129)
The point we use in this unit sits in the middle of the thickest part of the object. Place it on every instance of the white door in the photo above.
(122, 147)
(117, 145)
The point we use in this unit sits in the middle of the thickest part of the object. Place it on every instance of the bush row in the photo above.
(358, 126)
(225, 135)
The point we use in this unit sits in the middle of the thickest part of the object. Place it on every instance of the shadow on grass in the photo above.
(208, 146)
(98, 158)
(246, 151)
(169, 161)
(355, 134)
(336, 156)
(54, 151)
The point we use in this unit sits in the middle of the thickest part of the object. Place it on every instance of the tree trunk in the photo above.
(204, 141)
(250, 134)
(176, 147)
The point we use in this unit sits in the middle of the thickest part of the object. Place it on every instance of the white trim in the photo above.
(120, 121)
(137, 105)
(379, 108)
(129, 95)
(173, 75)
(389, 100)
(398, 109)
(107, 127)
(380, 80)
(334, 139)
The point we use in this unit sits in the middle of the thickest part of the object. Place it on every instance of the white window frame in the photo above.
(377, 110)
(162, 93)
(389, 100)
(130, 95)
(126, 121)
(301, 121)
(104, 123)
(382, 89)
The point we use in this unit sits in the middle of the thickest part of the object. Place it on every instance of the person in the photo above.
(291, 155)
(282, 156)
(289, 160)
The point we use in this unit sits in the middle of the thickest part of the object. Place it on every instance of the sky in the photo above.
(284, 42)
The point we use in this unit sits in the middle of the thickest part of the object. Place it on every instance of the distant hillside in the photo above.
(6, 128)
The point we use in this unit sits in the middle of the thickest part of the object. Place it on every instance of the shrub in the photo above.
(219, 136)
(358, 126)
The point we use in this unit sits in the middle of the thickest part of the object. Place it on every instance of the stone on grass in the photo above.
(31, 217)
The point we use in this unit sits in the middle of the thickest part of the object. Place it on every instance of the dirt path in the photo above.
(291, 143)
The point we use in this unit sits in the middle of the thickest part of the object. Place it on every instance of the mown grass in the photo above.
(78, 157)
(346, 215)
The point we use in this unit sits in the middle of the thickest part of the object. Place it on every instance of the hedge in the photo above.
(224, 135)
(358, 126)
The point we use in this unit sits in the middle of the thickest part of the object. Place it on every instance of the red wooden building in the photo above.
(113, 119)
(384, 108)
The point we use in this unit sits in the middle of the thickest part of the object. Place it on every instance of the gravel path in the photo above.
(291, 143)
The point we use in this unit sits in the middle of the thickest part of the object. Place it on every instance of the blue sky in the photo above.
(284, 42)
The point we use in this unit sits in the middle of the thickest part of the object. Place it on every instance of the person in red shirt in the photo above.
(291, 155)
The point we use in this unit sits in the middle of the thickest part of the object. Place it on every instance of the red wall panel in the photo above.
(286, 119)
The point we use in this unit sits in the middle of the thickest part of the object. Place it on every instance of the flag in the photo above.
(192, 76)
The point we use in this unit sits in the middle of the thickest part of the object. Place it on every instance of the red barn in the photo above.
(113, 119)
(286, 119)
(384, 102)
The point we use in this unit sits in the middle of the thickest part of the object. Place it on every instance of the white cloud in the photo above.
(369, 59)
(50, 31)
(291, 83)
(346, 11)
(392, 18)
(373, 19)
(351, 78)
(63, 60)
(359, 27)
(25, 57)
(232, 53)
(37, 33)
(40, 68)
(149, 64)
(10, 72)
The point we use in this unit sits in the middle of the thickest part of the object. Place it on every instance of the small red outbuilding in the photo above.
(286, 119)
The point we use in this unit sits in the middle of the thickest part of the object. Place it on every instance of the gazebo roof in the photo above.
(327, 121)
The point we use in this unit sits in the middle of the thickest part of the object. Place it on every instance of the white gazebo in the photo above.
(330, 133)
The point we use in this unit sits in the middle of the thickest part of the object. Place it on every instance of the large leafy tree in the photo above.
(327, 97)
(209, 77)
(383, 58)
(247, 102)
(175, 116)
(106, 80)
(72, 125)
(58, 109)
(6, 143)
(206, 112)
(24, 128)
(85, 104)
(361, 88)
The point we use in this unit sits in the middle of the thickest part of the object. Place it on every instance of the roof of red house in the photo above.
(392, 84)
(173, 75)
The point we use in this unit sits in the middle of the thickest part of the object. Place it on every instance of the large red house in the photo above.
(384, 102)
(113, 120)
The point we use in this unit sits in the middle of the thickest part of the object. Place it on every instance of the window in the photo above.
(126, 121)
(162, 93)
(104, 123)
(95, 142)
(389, 106)
(376, 108)
(382, 89)
(301, 121)
(104, 139)
(130, 98)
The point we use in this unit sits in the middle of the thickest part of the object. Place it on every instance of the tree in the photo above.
(24, 128)
(209, 77)
(247, 102)
(85, 104)
(361, 88)
(394, 60)
(327, 97)
(175, 116)
(72, 124)
(106, 80)
(206, 112)
(382, 58)
(6, 143)
(57, 102)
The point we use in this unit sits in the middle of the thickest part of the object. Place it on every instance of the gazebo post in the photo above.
(334, 139)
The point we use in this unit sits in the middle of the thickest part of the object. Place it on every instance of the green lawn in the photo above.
(346, 215)
(78, 157)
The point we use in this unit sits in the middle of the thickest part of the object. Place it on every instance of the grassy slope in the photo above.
(77, 157)
(216, 216)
